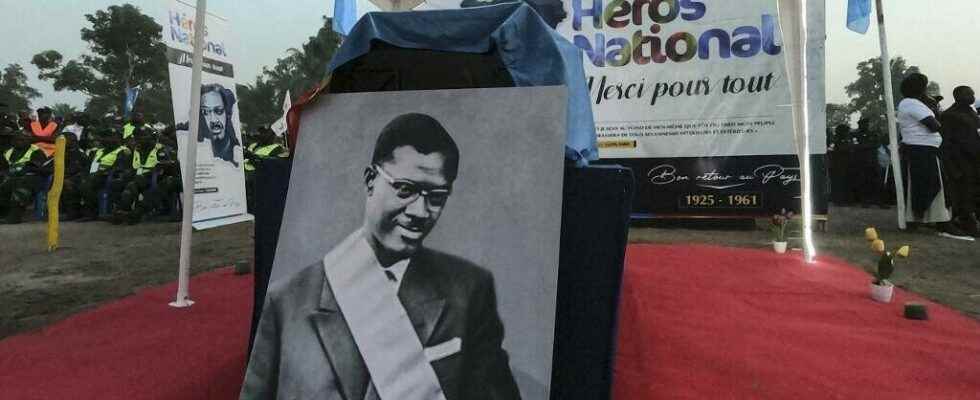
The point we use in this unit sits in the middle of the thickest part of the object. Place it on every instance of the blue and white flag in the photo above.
(131, 95)
(344, 16)
(859, 15)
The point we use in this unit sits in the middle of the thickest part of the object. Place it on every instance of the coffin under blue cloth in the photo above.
(534, 54)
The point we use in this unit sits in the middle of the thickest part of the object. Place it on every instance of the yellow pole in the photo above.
(54, 195)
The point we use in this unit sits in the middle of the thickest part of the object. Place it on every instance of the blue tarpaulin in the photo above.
(534, 54)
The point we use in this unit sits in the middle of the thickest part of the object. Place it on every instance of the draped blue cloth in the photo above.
(534, 54)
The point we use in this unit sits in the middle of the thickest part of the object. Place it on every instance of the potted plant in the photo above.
(881, 288)
(778, 226)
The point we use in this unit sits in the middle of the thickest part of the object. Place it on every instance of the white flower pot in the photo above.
(779, 247)
(882, 293)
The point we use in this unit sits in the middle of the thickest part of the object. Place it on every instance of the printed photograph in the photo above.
(419, 250)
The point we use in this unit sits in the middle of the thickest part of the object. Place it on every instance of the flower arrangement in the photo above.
(886, 261)
(778, 224)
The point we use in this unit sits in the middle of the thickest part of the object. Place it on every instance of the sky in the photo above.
(941, 36)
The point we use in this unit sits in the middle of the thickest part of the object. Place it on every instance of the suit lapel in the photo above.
(338, 344)
(422, 297)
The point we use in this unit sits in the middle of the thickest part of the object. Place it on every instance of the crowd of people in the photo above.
(940, 159)
(116, 170)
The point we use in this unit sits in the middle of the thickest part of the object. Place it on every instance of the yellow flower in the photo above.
(903, 252)
(878, 246)
(871, 234)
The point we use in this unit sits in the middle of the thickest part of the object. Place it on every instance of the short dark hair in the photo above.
(914, 85)
(421, 132)
(960, 92)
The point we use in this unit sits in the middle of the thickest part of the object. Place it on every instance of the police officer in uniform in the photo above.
(110, 169)
(76, 169)
(149, 187)
(24, 168)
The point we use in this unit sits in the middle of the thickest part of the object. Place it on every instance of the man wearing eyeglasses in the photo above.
(382, 316)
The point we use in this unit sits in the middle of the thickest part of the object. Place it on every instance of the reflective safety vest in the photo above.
(44, 131)
(265, 151)
(128, 130)
(107, 160)
(261, 152)
(151, 160)
(17, 166)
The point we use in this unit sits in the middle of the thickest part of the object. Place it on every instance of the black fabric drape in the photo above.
(271, 185)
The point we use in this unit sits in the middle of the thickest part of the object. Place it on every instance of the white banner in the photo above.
(685, 78)
(280, 126)
(219, 184)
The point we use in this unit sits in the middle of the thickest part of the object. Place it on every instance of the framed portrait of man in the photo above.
(418, 257)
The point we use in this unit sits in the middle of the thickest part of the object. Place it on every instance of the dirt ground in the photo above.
(99, 262)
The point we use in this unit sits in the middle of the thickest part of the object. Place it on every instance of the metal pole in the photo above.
(886, 70)
(809, 250)
(190, 161)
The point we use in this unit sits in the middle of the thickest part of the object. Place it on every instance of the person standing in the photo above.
(839, 159)
(44, 130)
(863, 170)
(961, 153)
(923, 172)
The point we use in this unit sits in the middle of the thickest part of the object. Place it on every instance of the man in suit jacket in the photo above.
(338, 329)
(961, 156)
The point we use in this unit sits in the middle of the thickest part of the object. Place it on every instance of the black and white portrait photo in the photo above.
(419, 250)
(216, 124)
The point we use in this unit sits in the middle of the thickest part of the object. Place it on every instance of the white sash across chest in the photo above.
(392, 351)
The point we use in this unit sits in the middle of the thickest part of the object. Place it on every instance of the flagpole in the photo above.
(809, 250)
(886, 70)
(190, 161)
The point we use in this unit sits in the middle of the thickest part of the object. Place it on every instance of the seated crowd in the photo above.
(114, 170)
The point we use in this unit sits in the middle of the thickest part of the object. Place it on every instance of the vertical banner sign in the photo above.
(692, 95)
(219, 184)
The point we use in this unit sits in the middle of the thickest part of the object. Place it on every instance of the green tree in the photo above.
(63, 109)
(14, 90)
(867, 93)
(838, 114)
(298, 72)
(126, 51)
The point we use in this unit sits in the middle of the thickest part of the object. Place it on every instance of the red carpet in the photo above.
(698, 322)
(703, 322)
(138, 347)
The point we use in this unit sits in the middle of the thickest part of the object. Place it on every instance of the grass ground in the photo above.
(99, 262)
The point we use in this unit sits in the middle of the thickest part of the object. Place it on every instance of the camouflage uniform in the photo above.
(24, 170)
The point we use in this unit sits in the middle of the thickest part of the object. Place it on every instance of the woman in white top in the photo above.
(925, 198)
